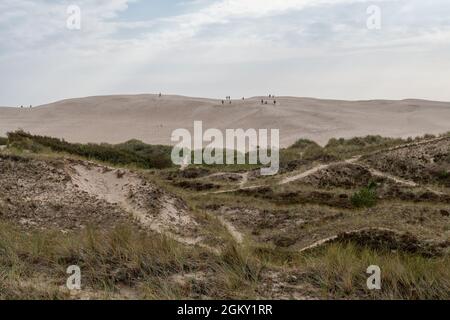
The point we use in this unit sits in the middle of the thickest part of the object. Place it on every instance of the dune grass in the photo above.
(340, 271)
(33, 266)
(150, 266)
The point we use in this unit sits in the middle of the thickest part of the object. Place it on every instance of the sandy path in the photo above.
(395, 179)
(284, 180)
(244, 179)
(321, 167)
(327, 240)
(314, 170)
(303, 174)
(352, 160)
(237, 236)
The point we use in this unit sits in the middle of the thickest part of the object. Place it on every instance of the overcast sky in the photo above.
(215, 48)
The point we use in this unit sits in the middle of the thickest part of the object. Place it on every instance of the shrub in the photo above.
(444, 174)
(366, 197)
(444, 177)
(302, 144)
(313, 152)
(133, 152)
(3, 141)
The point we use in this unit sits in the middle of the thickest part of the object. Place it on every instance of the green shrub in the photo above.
(313, 152)
(302, 144)
(444, 174)
(3, 141)
(133, 152)
(366, 197)
(444, 177)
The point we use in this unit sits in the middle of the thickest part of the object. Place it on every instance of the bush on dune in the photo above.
(133, 152)
(361, 144)
(366, 197)
(303, 144)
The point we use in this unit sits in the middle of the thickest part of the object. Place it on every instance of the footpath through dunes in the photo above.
(409, 164)
(152, 119)
(312, 207)
(72, 194)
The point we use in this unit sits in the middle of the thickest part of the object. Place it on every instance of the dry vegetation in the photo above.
(206, 232)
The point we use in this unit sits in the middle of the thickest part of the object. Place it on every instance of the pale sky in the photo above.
(215, 48)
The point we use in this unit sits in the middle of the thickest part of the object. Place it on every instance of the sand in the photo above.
(152, 119)
(122, 187)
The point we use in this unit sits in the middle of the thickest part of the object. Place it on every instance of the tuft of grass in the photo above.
(366, 197)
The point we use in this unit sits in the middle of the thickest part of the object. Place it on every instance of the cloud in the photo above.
(216, 47)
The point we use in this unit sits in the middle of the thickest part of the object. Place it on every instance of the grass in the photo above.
(340, 271)
(33, 265)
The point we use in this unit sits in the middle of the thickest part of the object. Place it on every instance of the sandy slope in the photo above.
(152, 119)
(132, 193)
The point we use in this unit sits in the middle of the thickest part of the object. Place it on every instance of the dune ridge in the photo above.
(150, 118)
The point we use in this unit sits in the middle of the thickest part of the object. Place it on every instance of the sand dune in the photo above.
(152, 119)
